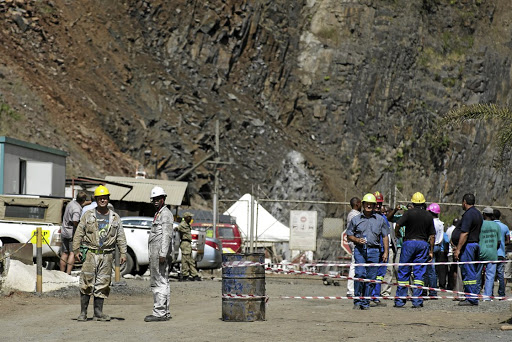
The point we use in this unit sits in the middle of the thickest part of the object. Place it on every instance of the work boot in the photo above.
(152, 318)
(98, 310)
(84, 304)
(196, 278)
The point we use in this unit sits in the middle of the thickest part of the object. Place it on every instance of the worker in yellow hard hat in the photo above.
(94, 243)
(365, 231)
(418, 247)
(381, 273)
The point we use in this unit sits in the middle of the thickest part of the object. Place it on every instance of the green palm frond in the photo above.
(480, 112)
(501, 116)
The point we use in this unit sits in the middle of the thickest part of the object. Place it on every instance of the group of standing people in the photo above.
(419, 237)
(91, 237)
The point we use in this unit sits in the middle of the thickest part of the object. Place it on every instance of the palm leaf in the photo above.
(502, 116)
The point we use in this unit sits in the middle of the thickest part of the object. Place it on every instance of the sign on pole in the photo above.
(303, 230)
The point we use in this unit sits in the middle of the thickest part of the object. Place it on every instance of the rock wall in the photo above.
(353, 87)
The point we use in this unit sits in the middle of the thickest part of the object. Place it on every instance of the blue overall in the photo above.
(362, 255)
(413, 251)
(469, 272)
(381, 272)
(431, 275)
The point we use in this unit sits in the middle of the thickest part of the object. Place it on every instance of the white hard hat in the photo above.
(157, 191)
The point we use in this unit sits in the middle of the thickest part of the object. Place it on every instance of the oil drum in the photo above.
(242, 280)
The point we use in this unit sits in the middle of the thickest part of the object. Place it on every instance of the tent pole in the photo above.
(251, 238)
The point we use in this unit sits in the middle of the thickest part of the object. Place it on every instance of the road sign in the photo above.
(344, 242)
(303, 230)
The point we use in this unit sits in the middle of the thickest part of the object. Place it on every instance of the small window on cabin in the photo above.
(226, 233)
(23, 211)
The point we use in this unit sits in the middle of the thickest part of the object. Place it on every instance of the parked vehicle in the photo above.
(227, 233)
(21, 215)
(137, 229)
(212, 258)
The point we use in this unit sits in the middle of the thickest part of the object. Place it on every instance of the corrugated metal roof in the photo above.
(142, 188)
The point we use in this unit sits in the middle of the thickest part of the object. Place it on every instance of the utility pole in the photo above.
(216, 180)
(217, 162)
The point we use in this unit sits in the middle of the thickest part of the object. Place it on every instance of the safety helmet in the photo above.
(378, 197)
(369, 198)
(418, 198)
(434, 207)
(157, 191)
(101, 191)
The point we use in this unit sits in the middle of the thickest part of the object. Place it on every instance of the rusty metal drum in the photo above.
(240, 281)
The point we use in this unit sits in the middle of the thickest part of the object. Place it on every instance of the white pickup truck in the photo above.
(137, 228)
(21, 215)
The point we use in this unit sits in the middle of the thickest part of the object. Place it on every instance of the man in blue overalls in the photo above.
(418, 247)
(381, 272)
(468, 249)
(365, 231)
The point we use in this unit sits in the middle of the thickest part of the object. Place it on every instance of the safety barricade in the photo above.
(457, 294)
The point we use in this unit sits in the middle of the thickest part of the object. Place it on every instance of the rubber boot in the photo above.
(84, 304)
(98, 310)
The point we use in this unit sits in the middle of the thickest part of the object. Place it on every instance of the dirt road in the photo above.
(196, 309)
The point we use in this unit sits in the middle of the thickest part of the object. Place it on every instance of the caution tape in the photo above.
(244, 296)
(355, 297)
(383, 297)
(252, 263)
(467, 294)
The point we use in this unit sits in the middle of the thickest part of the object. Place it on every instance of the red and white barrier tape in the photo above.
(381, 282)
(237, 296)
(252, 263)
(355, 297)
(389, 297)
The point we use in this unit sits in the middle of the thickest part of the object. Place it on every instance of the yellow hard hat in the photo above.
(369, 198)
(418, 198)
(101, 191)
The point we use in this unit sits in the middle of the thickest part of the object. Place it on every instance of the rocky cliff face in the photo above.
(317, 100)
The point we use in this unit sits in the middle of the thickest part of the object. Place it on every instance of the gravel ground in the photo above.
(197, 311)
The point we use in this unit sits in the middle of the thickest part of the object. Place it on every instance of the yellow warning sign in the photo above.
(45, 234)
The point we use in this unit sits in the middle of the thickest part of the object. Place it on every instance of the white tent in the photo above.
(266, 227)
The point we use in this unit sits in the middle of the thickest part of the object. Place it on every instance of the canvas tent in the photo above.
(266, 227)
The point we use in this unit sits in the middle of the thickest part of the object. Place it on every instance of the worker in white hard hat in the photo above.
(160, 246)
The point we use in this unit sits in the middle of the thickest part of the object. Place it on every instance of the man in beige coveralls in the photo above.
(94, 243)
(188, 267)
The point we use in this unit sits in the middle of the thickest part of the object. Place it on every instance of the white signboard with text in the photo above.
(303, 230)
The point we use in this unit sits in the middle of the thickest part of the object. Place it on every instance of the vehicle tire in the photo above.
(127, 267)
(142, 269)
(51, 265)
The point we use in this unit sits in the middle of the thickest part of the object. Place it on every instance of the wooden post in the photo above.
(39, 259)
(117, 267)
